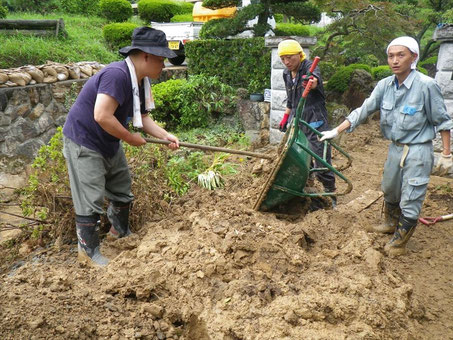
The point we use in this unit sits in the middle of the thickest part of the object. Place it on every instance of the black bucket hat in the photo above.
(149, 40)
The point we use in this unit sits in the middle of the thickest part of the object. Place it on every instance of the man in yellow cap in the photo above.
(315, 112)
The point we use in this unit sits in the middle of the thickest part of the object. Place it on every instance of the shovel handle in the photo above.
(433, 220)
(211, 148)
(314, 64)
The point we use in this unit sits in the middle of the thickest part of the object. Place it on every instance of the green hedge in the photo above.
(118, 35)
(115, 10)
(159, 10)
(339, 82)
(237, 62)
(284, 29)
(187, 17)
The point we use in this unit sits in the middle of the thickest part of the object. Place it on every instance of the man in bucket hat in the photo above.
(94, 127)
(412, 111)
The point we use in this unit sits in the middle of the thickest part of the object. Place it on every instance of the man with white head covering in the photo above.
(412, 111)
(315, 113)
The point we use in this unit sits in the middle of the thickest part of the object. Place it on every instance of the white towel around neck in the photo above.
(149, 101)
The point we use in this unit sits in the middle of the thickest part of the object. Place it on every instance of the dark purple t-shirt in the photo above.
(80, 126)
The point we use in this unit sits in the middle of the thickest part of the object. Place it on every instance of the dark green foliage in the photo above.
(34, 6)
(422, 70)
(182, 17)
(381, 72)
(118, 35)
(431, 60)
(327, 69)
(291, 29)
(3, 12)
(115, 10)
(86, 7)
(339, 82)
(237, 62)
(158, 10)
(192, 103)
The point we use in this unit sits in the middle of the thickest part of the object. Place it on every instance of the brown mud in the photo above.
(215, 269)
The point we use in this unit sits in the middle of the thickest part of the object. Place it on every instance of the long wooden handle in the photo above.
(211, 148)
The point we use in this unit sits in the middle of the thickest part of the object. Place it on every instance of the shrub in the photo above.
(192, 103)
(237, 62)
(158, 10)
(283, 29)
(182, 18)
(3, 12)
(339, 82)
(115, 10)
(86, 7)
(381, 72)
(118, 35)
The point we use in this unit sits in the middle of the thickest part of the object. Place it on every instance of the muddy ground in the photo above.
(216, 269)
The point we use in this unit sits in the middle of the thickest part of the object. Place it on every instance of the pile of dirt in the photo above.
(216, 269)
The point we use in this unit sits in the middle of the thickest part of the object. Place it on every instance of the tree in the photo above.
(301, 11)
(360, 31)
(363, 28)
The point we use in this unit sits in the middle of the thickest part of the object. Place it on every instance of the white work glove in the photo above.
(443, 165)
(329, 134)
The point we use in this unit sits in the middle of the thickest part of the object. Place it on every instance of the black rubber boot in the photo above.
(118, 215)
(88, 240)
(392, 213)
(397, 245)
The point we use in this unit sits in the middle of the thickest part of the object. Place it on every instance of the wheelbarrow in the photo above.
(291, 171)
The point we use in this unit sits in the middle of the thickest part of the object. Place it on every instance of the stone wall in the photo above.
(278, 92)
(29, 116)
(444, 74)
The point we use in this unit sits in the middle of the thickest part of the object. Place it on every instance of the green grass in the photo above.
(84, 43)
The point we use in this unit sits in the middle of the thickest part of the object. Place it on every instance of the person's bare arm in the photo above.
(104, 110)
(151, 128)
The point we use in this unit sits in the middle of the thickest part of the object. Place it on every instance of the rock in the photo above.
(360, 87)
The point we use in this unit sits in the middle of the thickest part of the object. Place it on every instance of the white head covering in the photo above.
(408, 42)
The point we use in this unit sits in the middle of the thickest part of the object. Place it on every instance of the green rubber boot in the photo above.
(391, 216)
(397, 245)
(118, 215)
(88, 241)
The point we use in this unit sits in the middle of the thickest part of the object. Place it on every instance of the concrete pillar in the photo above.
(444, 74)
(278, 92)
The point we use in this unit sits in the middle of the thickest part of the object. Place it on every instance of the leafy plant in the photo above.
(3, 12)
(192, 103)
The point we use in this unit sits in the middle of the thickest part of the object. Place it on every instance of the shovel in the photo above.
(212, 148)
(433, 220)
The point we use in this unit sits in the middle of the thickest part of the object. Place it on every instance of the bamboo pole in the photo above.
(211, 148)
